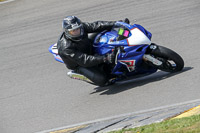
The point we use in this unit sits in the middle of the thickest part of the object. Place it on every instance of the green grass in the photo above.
(183, 125)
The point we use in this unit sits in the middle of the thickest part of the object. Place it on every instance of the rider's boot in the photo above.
(74, 75)
(126, 20)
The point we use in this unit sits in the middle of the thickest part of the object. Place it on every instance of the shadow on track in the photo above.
(126, 85)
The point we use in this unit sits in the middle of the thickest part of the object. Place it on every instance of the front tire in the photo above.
(171, 61)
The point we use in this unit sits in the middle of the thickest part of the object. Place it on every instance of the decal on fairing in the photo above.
(126, 33)
(123, 32)
(130, 64)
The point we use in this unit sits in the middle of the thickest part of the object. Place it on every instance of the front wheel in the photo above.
(171, 61)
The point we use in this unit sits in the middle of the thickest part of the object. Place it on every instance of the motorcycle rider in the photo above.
(76, 48)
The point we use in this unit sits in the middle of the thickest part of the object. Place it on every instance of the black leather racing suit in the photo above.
(79, 56)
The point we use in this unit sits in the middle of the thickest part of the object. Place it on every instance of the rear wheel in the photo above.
(171, 61)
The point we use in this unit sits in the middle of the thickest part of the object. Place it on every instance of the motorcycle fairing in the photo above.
(130, 64)
(133, 38)
(106, 41)
(131, 53)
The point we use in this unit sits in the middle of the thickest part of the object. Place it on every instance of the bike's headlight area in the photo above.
(103, 40)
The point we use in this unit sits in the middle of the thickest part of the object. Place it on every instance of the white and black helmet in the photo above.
(72, 23)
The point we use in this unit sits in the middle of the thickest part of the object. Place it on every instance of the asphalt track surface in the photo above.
(36, 94)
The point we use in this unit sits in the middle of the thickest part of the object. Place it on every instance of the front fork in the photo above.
(149, 58)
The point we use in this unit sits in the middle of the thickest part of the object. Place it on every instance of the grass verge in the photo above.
(183, 125)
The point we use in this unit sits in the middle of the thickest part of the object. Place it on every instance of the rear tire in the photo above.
(172, 62)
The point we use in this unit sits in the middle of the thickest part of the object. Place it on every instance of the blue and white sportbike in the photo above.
(136, 55)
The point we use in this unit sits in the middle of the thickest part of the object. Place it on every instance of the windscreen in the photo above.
(122, 31)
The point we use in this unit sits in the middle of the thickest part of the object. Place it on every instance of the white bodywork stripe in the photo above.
(138, 37)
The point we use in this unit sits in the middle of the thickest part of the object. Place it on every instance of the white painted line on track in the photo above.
(122, 115)
(6, 1)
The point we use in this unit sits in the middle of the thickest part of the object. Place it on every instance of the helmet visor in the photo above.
(75, 32)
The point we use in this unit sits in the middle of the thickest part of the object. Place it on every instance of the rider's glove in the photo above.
(126, 20)
(110, 58)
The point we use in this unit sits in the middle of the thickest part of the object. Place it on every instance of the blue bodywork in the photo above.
(132, 56)
(56, 56)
